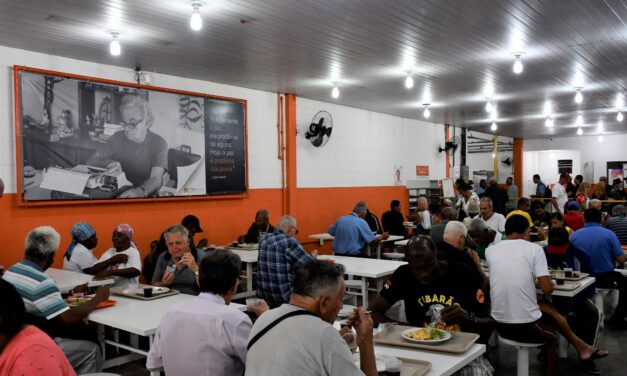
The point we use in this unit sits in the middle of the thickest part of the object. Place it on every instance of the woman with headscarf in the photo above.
(122, 262)
(79, 256)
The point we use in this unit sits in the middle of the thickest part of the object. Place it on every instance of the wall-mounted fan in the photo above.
(320, 129)
(507, 161)
(450, 146)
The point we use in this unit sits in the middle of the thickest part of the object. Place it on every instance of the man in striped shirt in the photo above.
(618, 223)
(44, 304)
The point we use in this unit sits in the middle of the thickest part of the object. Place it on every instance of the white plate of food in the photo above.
(422, 335)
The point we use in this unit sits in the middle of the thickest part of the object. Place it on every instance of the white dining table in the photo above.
(327, 236)
(322, 237)
(583, 284)
(366, 268)
(249, 258)
(138, 317)
(67, 280)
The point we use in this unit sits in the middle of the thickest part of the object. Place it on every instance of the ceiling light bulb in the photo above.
(619, 117)
(518, 65)
(493, 155)
(196, 21)
(600, 127)
(426, 113)
(335, 93)
(114, 47)
(579, 131)
(488, 106)
(579, 120)
(409, 82)
(600, 138)
(548, 122)
(493, 127)
(578, 96)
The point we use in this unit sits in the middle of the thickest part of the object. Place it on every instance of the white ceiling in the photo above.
(455, 48)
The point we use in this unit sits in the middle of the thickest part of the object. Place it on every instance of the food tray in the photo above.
(414, 367)
(131, 293)
(391, 336)
(577, 276)
(567, 286)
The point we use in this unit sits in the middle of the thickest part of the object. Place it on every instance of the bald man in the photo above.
(452, 249)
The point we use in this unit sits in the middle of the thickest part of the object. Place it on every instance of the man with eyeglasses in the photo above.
(137, 151)
(279, 254)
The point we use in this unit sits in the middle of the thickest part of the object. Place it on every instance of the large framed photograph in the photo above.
(87, 139)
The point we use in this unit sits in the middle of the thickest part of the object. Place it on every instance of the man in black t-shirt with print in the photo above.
(449, 294)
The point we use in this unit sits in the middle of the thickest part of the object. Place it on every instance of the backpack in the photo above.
(548, 193)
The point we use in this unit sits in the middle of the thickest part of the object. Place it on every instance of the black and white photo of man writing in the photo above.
(137, 151)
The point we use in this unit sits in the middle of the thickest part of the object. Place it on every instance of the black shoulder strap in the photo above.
(257, 337)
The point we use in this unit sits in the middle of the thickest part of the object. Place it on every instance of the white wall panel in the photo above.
(264, 170)
(591, 150)
(365, 147)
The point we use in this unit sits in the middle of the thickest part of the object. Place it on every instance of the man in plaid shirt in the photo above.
(279, 254)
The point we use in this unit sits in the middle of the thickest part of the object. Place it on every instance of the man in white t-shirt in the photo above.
(79, 256)
(495, 221)
(558, 195)
(515, 264)
(122, 262)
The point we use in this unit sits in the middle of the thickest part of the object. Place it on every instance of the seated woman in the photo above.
(24, 349)
(122, 262)
(79, 255)
(178, 268)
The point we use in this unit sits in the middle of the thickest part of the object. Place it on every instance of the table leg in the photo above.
(562, 346)
(321, 242)
(364, 292)
(101, 339)
(151, 339)
(249, 278)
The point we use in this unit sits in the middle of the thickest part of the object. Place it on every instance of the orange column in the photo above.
(290, 153)
(518, 165)
(447, 138)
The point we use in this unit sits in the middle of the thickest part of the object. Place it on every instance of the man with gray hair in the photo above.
(279, 253)
(618, 223)
(46, 307)
(452, 249)
(352, 234)
(299, 339)
(496, 221)
(483, 235)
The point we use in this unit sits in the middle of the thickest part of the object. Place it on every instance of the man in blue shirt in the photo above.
(603, 248)
(540, 186)
(279, 254)
(352, 234)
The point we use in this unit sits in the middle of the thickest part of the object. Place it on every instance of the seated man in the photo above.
(219, 332)
(352, 234)
(302, 340)
(539, 216)
(79, 256)
(373, 222)
(44, 303)
(258, 228)
(393, 220)
(437, 230)
(279, 253)
(618, 223)
(434, 291)
(483, 235)
(137, 151)
(157, 247)
(451, 249)
(572, 215)
(515, 264)
(524, 206)
(496, 221)
(422, 217)
(603, 248)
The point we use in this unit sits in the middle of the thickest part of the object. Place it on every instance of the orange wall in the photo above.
(222, 219)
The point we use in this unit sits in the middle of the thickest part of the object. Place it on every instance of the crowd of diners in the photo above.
(474, 263)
